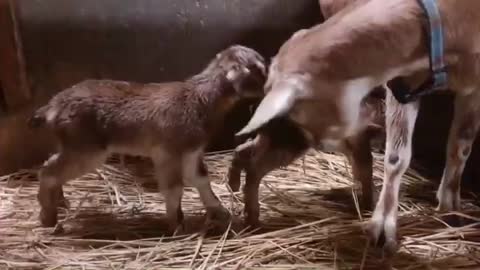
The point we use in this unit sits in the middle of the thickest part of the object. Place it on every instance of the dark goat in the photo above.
(281, 142)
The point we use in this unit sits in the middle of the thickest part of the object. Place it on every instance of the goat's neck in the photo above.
(215, 95)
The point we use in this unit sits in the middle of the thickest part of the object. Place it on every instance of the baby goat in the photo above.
(281, 142)
(169, 122)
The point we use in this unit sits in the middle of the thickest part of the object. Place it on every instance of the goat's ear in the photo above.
(237, 72)
(275, 104)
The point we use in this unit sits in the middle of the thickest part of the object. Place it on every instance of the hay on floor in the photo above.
(309, 212)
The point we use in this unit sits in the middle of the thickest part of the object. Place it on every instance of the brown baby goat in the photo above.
(169, 122)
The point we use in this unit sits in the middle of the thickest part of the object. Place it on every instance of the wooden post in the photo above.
(13, 76)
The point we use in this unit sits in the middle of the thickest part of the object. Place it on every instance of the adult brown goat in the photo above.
(334, 65)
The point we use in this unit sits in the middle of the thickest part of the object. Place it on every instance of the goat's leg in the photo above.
(462, 134)
(243, 156)
(62, 202)
(250, 192)
(195, 173)
(400, 122)
(266, 157)
(61, 167)
(173, 203)
(240, 157)
(361, 159)
(169, 178)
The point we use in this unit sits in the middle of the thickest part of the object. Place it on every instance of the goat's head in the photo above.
(331, 113)
(335, 113)
(244, 68)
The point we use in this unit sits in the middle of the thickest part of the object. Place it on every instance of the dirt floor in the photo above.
(309, 213)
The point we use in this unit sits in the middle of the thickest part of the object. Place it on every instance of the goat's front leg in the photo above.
(240, 159)
(195, 174)
(264, 157)
(462, 134)
(400, 122)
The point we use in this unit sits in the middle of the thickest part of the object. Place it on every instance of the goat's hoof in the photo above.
(253, 224)
(176, 223)
(390, 247)
(48, 218)
(176, 228)
(448, 201)
(444, 207)
(378, 238)
(218, 215)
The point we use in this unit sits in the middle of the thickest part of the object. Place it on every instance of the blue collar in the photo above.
(438, 79)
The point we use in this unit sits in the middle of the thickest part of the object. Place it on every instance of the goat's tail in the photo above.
(41, 116)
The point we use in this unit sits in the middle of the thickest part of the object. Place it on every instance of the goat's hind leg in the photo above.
(400, 122)
(462, 134)
(62, 201)
(60, 168)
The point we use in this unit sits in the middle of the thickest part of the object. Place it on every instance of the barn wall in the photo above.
(66, 41)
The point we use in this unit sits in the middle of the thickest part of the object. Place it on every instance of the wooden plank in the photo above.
(13, 76)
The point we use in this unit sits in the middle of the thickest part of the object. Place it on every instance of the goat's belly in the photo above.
(323, 144)
(132, 149)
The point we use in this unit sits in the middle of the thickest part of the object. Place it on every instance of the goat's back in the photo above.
(124, 113)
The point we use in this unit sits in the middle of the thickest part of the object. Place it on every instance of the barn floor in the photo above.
(309, 215)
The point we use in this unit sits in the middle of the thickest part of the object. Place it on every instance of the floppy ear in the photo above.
(275, 104)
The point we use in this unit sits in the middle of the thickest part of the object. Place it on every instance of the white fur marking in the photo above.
(51, 114)
(232, 75)
(353, 93)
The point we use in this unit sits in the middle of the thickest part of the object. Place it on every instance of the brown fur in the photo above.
(331, 66)
(169, 122)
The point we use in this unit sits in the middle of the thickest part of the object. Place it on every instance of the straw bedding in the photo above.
(309, 213)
